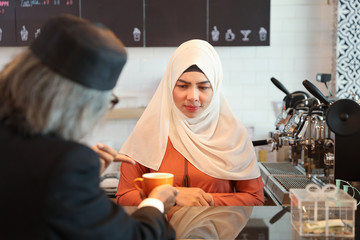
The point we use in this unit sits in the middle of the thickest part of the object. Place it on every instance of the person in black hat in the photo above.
(51, 95)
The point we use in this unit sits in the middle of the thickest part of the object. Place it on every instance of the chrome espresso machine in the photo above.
(323, 138)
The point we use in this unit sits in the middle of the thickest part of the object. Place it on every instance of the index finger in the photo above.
(124, 158)
(207, 198)
(203, 202)
(107, 149)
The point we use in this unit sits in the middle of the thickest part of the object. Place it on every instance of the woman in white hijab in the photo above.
(188, 129)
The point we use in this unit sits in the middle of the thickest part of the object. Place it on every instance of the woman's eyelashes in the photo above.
(204, 88)
(201, 87)
(182, 85)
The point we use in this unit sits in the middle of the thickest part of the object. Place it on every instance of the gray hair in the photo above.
(36, 100)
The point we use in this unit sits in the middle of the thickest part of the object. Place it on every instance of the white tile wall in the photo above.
(301, 45)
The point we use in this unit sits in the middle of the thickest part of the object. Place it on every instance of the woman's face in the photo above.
(192, 93)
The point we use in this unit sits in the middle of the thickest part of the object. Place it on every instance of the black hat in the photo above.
(83, 52)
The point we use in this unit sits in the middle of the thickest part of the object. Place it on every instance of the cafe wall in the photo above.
(348, 39)
(301, 45)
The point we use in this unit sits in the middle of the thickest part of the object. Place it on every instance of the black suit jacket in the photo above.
(50, 190)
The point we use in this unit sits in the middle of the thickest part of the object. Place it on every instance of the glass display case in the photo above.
(323, 213)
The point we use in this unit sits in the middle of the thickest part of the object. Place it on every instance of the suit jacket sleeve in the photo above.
(76, 208)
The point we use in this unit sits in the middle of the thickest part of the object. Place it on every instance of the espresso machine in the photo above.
(321, 135)
(343, 119)
(296, 127)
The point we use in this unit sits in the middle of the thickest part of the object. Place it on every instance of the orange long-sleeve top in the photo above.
(224, 192)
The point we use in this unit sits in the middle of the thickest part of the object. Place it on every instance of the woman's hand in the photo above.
(108, 154)
(193, 197)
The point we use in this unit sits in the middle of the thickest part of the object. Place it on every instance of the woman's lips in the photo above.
(191, 108)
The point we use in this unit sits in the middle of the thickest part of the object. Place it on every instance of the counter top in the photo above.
(236, 222)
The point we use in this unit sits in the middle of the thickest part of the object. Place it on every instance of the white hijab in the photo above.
(216, 142)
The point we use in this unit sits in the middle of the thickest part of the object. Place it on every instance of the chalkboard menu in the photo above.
(123, 17)
(7, 23)
(169, 22)
(239, 22)
(146, 23)
(31, 14)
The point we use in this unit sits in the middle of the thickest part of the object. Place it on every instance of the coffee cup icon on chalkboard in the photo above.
(137, 34)
(262, 34)
(229, 35)
(37, 33)
(24, 34)
(215, 34)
